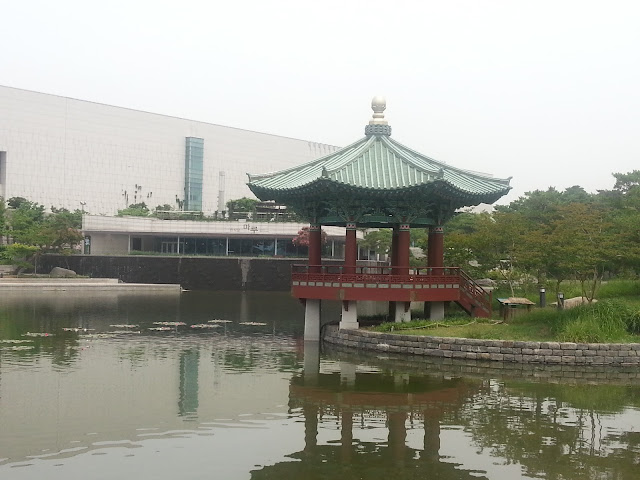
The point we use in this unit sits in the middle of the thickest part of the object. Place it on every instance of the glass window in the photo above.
(193, 174)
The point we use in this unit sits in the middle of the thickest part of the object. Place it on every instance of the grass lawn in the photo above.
(614, 318)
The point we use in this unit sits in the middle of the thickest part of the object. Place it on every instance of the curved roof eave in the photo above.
(326, 185)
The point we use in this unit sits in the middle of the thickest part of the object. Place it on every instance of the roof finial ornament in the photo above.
(378, 125)
(378, 105)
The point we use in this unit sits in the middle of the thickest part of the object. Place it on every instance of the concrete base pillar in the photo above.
(349, 317)
(436, 311)
(400, 314)
(348, 373)
(311, 362)
(312, 320)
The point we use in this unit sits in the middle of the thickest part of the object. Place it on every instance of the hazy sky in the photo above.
(545, 91)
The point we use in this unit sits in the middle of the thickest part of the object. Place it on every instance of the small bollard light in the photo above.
(543, 297)
(560, 300)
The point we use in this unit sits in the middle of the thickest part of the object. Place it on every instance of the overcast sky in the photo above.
(547, 92)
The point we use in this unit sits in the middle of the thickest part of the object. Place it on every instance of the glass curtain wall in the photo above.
(193, 166)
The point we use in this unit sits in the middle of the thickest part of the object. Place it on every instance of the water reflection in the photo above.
(255, 401)
(357, 424)
(188, 399)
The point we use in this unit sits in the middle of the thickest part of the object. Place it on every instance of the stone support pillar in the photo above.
(348, 373)
(311, 362)
(350, 249)
(349, 318)
(315, 248)
(310, 428)
(434, 310)
(402, 312)
(431, 438)
(311, 320)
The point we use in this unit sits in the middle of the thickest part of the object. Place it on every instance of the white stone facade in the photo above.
(70, 153)
(116, 235)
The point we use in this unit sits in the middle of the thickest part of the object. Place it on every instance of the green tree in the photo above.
(61, 230)
(135, 210)
(625, 182)
(15, 202)
(584, 244)
(26, 222)
(3, 218)
(58, 231)
(378, 241)
(243, 204)
(18, 254)
(163, 208)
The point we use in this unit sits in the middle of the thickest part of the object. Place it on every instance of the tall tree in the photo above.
(3, 218)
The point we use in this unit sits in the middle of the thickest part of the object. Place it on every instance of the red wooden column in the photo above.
(435, 247)
(394, 248)
(350, 249)
(315, 248)
(404, 242)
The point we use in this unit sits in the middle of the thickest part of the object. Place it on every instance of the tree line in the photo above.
(544, 237)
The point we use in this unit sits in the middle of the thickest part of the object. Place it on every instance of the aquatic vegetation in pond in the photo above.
(98, 335)
(38, 334)
(16, 341)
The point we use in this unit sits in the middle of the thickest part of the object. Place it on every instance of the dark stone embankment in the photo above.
(192, 273)
(506, 351)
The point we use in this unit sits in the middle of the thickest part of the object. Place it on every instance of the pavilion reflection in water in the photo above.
(349, 402)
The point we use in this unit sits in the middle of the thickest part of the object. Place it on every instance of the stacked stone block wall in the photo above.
(622, 354)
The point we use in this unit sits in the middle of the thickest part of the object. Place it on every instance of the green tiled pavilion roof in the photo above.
(377, 181)
(377, 163)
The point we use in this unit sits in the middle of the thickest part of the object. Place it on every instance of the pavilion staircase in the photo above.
(473, 298)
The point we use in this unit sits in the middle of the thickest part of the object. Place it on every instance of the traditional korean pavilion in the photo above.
(377, 182)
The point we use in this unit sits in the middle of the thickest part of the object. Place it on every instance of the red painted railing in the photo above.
(377, 275)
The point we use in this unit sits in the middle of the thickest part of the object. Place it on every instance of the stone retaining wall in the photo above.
(533, 372)
(623, 354)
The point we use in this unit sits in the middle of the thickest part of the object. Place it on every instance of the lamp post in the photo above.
(560, 300)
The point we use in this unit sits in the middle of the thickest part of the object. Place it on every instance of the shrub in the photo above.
(606, 321)
(619, 288)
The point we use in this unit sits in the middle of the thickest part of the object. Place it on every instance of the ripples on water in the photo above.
(247, 401)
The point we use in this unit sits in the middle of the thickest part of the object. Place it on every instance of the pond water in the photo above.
(247, 399)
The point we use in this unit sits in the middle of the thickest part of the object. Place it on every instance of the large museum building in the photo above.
(64, 152)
